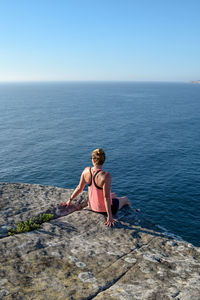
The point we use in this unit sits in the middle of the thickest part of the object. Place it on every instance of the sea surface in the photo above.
(149, 131)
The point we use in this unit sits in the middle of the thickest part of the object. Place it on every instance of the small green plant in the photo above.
(44, 218)
(31, 224)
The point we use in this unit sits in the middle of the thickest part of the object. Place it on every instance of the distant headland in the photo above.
(197, 81)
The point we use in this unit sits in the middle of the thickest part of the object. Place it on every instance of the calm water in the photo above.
(149, 131)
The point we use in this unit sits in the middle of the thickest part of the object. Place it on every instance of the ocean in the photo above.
(149, 131)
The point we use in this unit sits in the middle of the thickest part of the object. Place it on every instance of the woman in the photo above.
(99, 184)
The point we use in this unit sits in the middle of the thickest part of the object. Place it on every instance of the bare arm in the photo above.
(106, 192)
(77, 190)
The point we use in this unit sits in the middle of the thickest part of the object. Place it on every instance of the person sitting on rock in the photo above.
(99, 189)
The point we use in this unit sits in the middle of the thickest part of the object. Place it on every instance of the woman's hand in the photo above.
(110, 222)
(66, 204)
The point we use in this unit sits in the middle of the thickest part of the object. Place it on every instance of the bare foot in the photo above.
(127, 200)
(123, 201)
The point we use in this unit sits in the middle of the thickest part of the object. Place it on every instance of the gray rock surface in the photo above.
(77, 257)
(20, 202)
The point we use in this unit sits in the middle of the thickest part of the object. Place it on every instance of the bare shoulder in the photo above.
(106, 177)
(86, 174)
(86, 170)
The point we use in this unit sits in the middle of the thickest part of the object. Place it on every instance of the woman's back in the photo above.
(99, 178)
(96, 190)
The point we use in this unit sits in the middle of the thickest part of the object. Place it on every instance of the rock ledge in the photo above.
(76, 256)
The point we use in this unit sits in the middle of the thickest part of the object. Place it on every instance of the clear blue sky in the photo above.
(146, 40)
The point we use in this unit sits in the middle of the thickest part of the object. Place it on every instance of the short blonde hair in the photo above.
(98, 155)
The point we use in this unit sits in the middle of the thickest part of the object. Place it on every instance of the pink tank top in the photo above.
(95, 193)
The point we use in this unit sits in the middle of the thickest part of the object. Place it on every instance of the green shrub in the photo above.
(45, 218)
(31, 224)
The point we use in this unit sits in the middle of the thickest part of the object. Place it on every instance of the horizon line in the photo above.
(85, 81)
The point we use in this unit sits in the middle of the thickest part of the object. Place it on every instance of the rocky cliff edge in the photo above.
(75, 256)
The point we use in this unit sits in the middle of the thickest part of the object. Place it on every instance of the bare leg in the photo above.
(114, 195)
(123, 201)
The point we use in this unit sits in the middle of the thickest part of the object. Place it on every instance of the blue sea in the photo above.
(149, 131)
